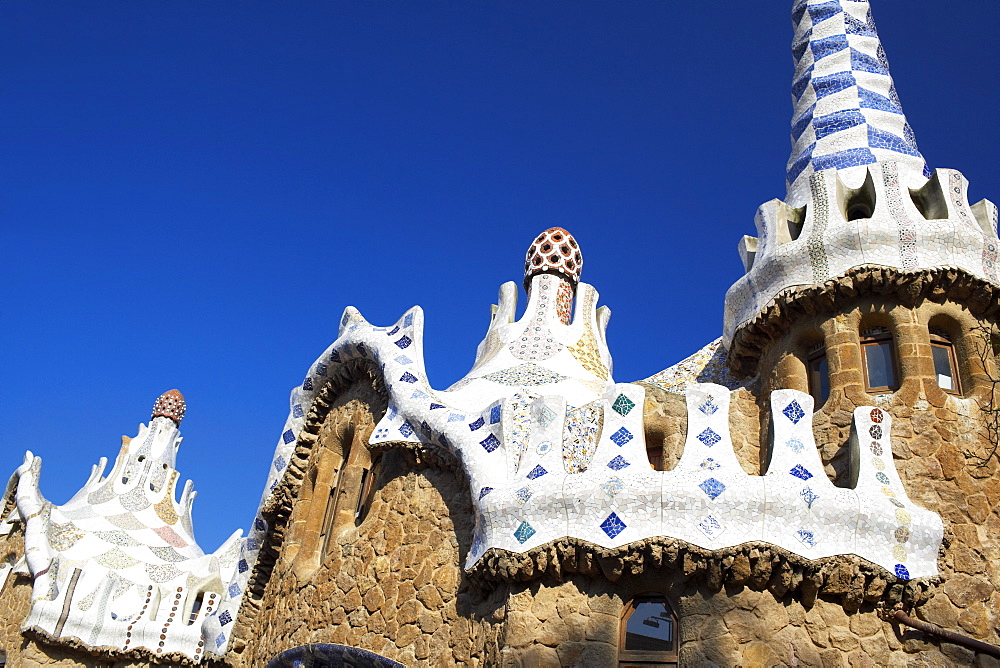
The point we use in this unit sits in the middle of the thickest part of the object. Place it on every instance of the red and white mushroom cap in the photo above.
(171, 405)
(555, 251)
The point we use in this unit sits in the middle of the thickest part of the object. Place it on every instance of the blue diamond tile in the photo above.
(307, 384)
(225, 618)
(220, 640)
(392, 332)
(242, 566)
(408, 320)
(801, 472)
(334, 356)
(491, 443)
(288, 436)
(795, 444)
(403, 359)
(712, 487)
(455, 417)
(484, 491)
(613, 525)
(279, 463)
(297, 411)
(622, 436)
(234, 590)
(708, 407)
(536, 472)
(495, 414)
(618, 463)
(807, 537)
(808, 496)
(404, 341)
(259, 524)
(710, 464)
(709, 437)
(435, 406)
(524, 532)
(473, 426)
(623, 405)
(408, 377)
(417, 394)
(794, 412)
(523, 495)
(901, 572)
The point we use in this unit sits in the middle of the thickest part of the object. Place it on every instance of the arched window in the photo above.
(649, 632)
(945, 364)
(879, 360)
(819, 374)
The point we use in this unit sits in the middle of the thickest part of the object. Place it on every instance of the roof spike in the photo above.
(847, 114)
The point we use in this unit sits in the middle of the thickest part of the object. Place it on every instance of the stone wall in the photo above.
(390, 581)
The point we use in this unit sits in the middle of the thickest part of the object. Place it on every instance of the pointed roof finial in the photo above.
(554, 251)
(847, 113)
(170, 405)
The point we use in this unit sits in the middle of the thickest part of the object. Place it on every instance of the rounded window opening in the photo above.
(649, 632)
(878, 358)
(945, 363)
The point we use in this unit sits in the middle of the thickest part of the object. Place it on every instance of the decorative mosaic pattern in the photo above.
(537, 342)
(525, 374)
(586, 352)
(847, 112)
(708, 365)
(116, 559)
(171, 405)
(906, 226)
(554, 251)
(582, 425)
(63, 536)
(821, 218)
(165, 509)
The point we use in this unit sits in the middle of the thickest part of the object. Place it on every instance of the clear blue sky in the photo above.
(192, 191)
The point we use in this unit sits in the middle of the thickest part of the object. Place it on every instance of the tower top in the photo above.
(171, 405)
(554, 251)
(847, 113)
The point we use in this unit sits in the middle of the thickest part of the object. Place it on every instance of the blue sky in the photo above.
(191, 192)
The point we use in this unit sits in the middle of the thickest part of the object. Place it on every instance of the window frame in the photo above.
(877, 336)
(941, 340)
(368, 476)
(817, 353)
(638, 657)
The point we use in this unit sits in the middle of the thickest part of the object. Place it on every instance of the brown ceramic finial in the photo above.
(170, 405)
(555, 251)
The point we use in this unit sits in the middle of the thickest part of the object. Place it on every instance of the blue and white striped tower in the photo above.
(847, 113)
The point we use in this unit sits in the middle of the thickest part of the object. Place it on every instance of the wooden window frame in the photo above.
(636, 657)
(877, 336)
(941, 340)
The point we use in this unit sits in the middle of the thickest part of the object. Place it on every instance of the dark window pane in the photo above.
(878, 358)
(819, 379)
(650, 628)
(942, 367)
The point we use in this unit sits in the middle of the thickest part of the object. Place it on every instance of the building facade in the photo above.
(817, 487)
